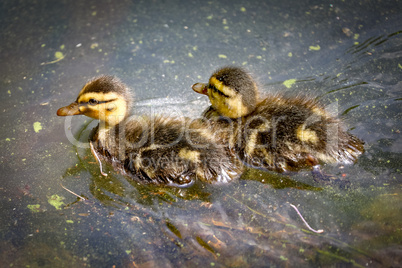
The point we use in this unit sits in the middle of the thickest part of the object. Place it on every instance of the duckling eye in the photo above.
(93, 102)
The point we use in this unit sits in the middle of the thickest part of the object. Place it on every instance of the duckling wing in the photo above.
(163, 150)
(287, 133)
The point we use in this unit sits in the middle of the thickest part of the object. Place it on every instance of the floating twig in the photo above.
(305, 222)
(95, 154)
(71, 192)
(53, 61)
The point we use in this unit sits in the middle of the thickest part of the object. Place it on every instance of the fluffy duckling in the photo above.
(276, 132)
(158, 150)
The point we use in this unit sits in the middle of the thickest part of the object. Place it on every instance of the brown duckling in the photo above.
(160, 150)
(276, 132)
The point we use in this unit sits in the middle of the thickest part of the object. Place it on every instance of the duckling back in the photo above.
(160, 150)
(278, 133)
(292, 133)
(168, 151)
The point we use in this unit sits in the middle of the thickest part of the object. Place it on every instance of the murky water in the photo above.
(349, 54)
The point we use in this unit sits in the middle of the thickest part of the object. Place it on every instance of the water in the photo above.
(348, 54)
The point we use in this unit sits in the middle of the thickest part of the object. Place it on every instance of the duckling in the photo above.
(276, 132)
(159, 150)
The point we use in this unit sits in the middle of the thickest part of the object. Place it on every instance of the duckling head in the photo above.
(105, 98)
(231, 90)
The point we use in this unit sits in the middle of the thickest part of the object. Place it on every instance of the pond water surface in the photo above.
(347, 53)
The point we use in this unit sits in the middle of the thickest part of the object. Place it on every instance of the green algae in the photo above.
(37, 126)
(314, 48)
(59, 55)
(56, 201)
(34, 208)
(288, 83)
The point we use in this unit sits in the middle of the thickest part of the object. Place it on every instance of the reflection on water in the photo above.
(346, 54)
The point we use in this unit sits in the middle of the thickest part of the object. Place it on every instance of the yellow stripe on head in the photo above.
(101, 97)
(232, 92)
(83, 89)
(108, 107)
(225, 90)
(226, 100)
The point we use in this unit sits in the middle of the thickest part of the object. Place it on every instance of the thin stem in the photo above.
(71, 192)
(95, 154)
(305, 222)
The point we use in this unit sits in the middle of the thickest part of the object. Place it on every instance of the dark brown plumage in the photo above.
(278, 133)
(159, 150)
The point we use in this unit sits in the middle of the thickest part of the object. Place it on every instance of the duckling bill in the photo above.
(160, 150)
(275, 132)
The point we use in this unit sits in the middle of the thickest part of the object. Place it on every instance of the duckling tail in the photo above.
(353, 148)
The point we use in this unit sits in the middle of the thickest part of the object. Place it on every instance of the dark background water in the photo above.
(347, 53)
